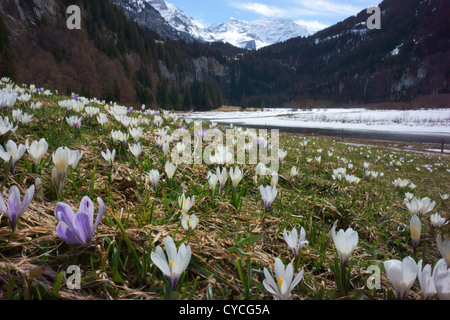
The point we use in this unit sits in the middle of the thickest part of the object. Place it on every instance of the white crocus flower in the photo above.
(261, 169)
(170, 169)
(17, 114)
(37, 150)
(413, 206)
(295, 241)
(12, 153)
(102, 119)
(318, 159)
(426, 281)
(444, 248)
(61, 159)
(441, 277)
(293, 172)
(6, 126)
(136, 133)
(236, 176)
(426, 206)
(281, 154)
(437, 221)
(185, 204)
(154, 178)
(284, 281)
(189, 221)
(223, 177)
(136, 150)
(444, 196)
(408, 196)
(75, 157)
(345, 242)
(175, 263)
(401, 274)
(212, 180)
(274, 181)
(166, 148)
(268, 195)
(109, 156)
(415, 227)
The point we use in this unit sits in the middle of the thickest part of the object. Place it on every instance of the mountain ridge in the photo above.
(248, 35)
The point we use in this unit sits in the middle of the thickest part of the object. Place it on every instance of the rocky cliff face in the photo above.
(147, 16)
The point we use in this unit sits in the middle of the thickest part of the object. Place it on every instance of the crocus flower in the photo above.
(102, 119)
(223, 177)
(74, 122)
(437, 221)
(284, 281)
(15, 209)
(441, 277)
(420, 206)
(154, 178)
(401, 274)
(261, 169)
(180, 146)
(61, 160)
(212, 180)
(170, 169)
(136, 133)
(37, 150)
(274, 181)
(189, 221)
(295, 241)
(345, 242)
(416, 229)
(75, 157)
(12, 153)
(77, 228)
(6, 126)
(109, 156)
(175, 263)
(281, 154)
(444, 196)
(293, 172)
(268, 194)
(426, 281)
(444, 248)
(185, 203)
(136, 150)
(235, 176)
(426, 205)
(318, 159)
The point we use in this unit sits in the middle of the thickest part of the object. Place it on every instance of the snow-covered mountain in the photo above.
(178, 20)
(240, 33)
(257, 34)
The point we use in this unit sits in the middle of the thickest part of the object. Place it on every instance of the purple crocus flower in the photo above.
(74, 96)
(76, 228)
(15, 208)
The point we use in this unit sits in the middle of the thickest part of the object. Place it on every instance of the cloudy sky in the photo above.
(315, 14)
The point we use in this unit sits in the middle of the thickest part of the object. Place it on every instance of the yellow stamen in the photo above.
(171, 265)
(280, 281)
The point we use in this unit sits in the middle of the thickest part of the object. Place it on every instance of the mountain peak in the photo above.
(240, 33)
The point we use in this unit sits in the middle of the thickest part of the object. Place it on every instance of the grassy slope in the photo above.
(116, 264)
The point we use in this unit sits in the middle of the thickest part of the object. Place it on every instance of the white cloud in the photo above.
(295, 9)
(312, 26)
